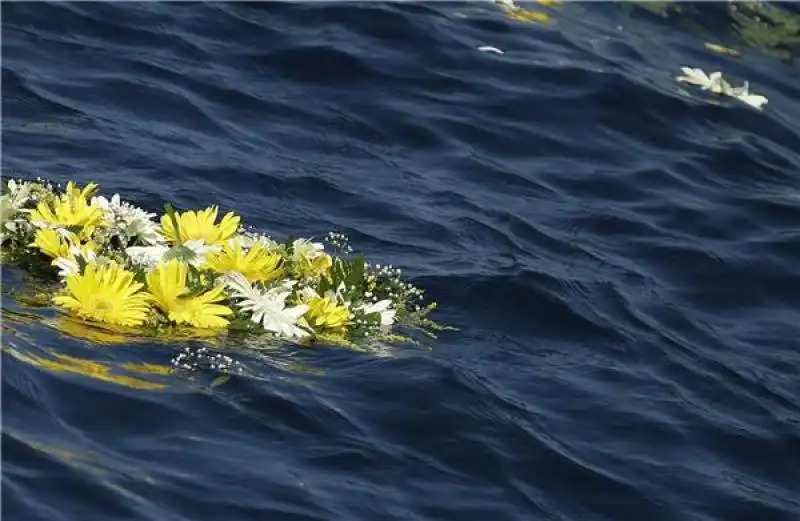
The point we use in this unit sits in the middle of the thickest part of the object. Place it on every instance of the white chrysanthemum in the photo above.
(267, 308)
(305, 249)
(125, 219)
(384, 308)
(19, 193)
(11, 203)
(200, 250)
(716, 84)
(146, 256)
(69, 265)
(193, 252)
(66, 266)
(713, 82)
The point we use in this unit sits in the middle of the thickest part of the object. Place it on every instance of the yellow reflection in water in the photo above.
(88, 461)
(527, 15)
(98, 370)
(107, 334)
(96, 334)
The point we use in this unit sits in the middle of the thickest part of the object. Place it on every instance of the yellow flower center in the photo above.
(102, 304)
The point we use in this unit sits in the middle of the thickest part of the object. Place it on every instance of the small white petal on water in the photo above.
(488, 48)
(754, 100)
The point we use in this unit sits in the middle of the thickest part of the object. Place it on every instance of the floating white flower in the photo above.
(489, 48)
(754, 100)
(716, 84)
(267, 308)
(713, 82)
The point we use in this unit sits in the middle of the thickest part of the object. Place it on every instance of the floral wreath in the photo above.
(112, 263)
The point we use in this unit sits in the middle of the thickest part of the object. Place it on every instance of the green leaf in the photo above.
(289, 245)
(180, 252)
(170, 210)
(220, 380)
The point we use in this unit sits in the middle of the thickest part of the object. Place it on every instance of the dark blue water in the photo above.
(622, 261)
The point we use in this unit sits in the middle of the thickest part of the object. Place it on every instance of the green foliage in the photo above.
(349, 272)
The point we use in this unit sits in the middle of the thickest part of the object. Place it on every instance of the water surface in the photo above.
(620, 254)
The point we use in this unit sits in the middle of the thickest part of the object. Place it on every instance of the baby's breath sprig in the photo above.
(340, 242)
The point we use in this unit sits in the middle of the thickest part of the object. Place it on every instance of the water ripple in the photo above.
(619, 253)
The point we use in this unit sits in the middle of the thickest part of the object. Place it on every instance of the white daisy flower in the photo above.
(268, 308)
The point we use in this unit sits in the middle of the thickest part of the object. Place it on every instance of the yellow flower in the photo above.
(258, 265)
(325, 314)
(71, 209)
(194, 225)
(167, 283)
(106, 294)
(313, 268)
(54, 244)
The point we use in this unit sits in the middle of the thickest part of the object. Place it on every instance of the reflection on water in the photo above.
(103, 371)
(200, 359)
(774, 29)
(106, 334)
(86, 460)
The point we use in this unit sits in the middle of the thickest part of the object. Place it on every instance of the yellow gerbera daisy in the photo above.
(194, 225)
(71, 209)
(257, 265)
(325, 314)
(167, 283)
(54, 244)
(106, 294)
